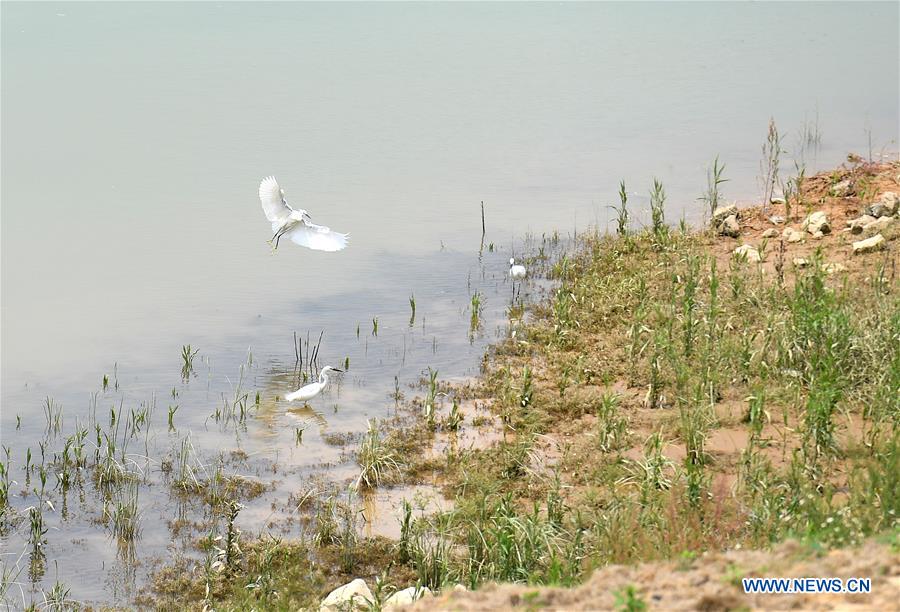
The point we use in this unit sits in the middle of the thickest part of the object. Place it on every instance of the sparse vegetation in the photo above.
(714, 178)
(658, 213)
(622, 211)
(770, 163)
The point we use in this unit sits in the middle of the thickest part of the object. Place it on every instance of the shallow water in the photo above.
(134, 137)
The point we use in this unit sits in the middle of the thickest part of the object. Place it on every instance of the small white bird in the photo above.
(295, 224)
(307, 392)
(516, 271)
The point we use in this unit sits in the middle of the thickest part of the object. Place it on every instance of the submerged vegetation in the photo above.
(187, 363)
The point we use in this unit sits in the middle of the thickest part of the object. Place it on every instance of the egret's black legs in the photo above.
(277, 238)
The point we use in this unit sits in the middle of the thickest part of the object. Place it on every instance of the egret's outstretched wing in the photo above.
(273, 204)
(316, 237)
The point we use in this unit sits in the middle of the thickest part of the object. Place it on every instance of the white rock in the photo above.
(724, 211)
(352, 595)
(878, 225)
(405, 597)
(818, 235)
(778, 200)
(729, 226)
(459, 588)
(884, 206)
(816, 222)
(856, 225)
(749, 252)
(891, 200)
(874, 243)
(792, 235)
(878, 209)
(842, 189)
(834, 268)
(801, 262)
(776, 219)
(770, 233)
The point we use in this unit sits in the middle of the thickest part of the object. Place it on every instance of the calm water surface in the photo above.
(135, 135)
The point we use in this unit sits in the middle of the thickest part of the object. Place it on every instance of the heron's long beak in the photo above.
(336, 370)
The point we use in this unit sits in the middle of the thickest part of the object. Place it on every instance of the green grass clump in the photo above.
(378, 462)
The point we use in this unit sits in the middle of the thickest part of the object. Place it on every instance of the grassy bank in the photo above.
(669, 398)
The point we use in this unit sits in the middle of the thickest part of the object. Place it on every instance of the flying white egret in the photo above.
(307, 392)
(295, 224)
(516, 271)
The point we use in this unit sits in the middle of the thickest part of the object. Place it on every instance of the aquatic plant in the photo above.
(714, 178)
(475, 318)
(769, 165)
(187, 361)
(37, 541)
(622, 211)
(376, 459)
(57, 598)
(429, 409)
(123, 512)
(5, 483)
(455, 418)
(53, 413)
(657, 212)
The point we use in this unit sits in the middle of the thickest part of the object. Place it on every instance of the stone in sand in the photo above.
(729, 226)
(885, 206)
(834, 268)
(351, 596)
(878, 225)
(816, 222)
(892, 199)
(856, 225)
(868, 245)
(721, 212)
(842, 189)
(801, 262)
(405, 597)
(792, 235)
(748, 252)
(770, 233)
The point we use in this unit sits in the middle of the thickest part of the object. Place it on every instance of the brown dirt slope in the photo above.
(710, 582)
